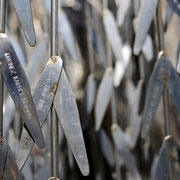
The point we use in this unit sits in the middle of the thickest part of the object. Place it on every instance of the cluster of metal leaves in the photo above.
(109, 52)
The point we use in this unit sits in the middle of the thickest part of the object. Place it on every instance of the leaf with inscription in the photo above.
(8, 167)
(103, 97)
(155, 90)
(43, 97)
(145, 17)
(68, 116)
(24, 13)
(18, 87)
(175, 5)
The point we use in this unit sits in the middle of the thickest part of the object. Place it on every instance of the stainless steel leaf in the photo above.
(24, 13)
(19, 89)
(68, 116)
(43, 97)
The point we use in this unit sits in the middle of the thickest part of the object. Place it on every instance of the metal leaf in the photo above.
(175, 5)
(103, 97)
(43, 97)
(24, 13)
(18, 86)
(67, 112)
(145, 17)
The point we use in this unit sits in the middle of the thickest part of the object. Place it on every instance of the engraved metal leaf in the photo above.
(103, 97)
(145, 17)
(24, 13)
(68, 116)
(18, 86)
(43, 99)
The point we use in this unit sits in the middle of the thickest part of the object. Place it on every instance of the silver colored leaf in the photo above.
(67, 112)
(145, 17)
(103, 97)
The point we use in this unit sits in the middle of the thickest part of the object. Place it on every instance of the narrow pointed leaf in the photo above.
(18, 87)
(162, 169)
(43, 99)
(24, 13)
(68, 116)
(173, 85)
(155, 89)
(145, 17)
(103, 97)
(112, 33)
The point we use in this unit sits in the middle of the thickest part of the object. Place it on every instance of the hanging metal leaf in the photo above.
(24, 13)
(112, 33)
(43, 97)
(145, 17)
(67, 112)
(103, 97)
(18, 86)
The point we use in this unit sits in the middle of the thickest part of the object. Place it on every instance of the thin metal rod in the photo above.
(54, 144)
(161, 48)
(54, 120)
(2, 15)
(160, 27)
(54, 27)
(2, 30)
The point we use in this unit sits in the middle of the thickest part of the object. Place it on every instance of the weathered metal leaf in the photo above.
(155, 89)
(103, 97)
(24, 13)
(169, 15)
(124, 150)
(147, 48)
(67, 112)
(18, 86)
(173, 85)
(145, 17)
(162, 168)
(112, 33)
(175, 5)
(43, 97)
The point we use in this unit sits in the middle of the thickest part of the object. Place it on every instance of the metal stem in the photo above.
(54, 144)
(161, 48)
(54, 120)
(2, 30)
